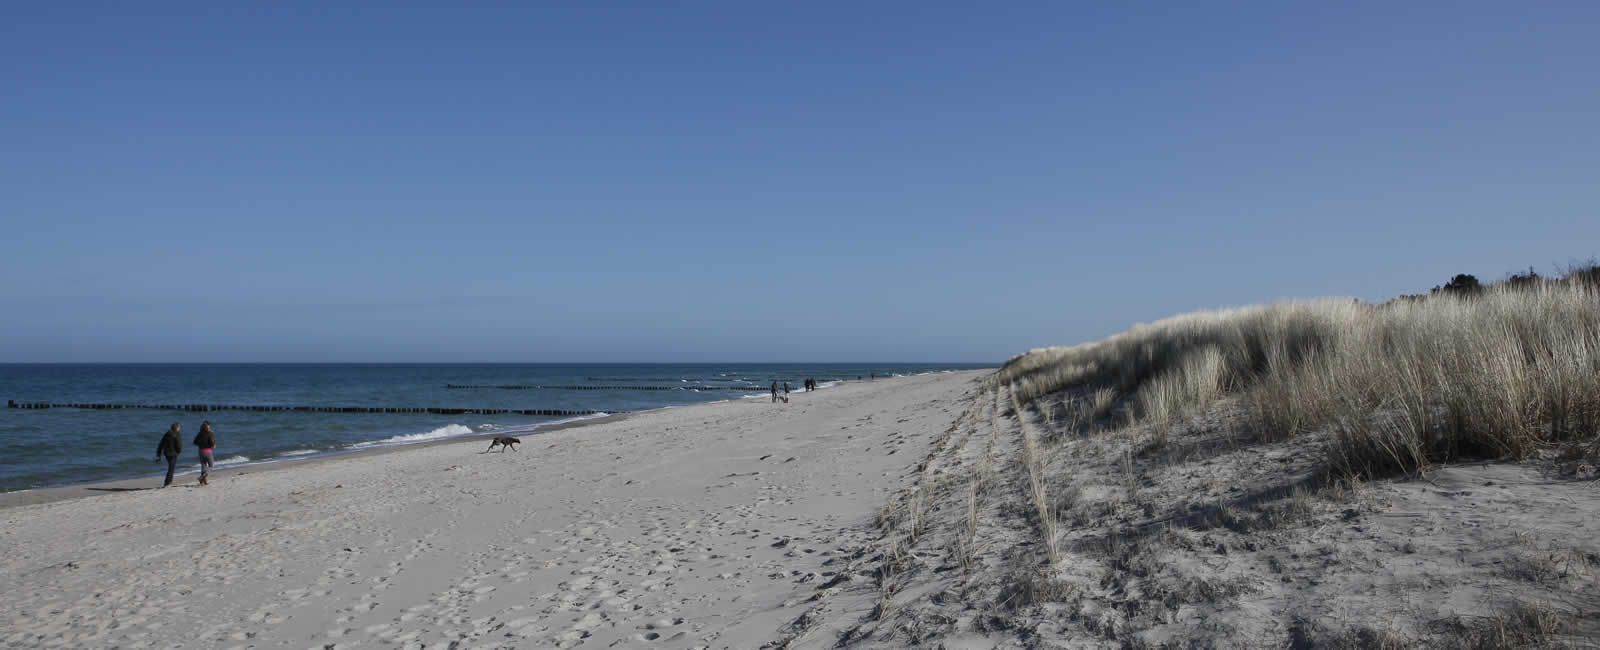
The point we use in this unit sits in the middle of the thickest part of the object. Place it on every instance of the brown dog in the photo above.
(504, 442)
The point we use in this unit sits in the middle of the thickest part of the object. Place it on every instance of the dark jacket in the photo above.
(171, 445)
(205, 439)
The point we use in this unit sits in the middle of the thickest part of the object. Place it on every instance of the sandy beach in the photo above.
(879, 514)
(703, 526)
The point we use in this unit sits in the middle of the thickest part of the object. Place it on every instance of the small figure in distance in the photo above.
(206, 440)
(170, 446)
(774, 392)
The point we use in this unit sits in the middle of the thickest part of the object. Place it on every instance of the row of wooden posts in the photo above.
(312, 409)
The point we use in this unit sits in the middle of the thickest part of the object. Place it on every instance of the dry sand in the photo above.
(1213, 540)
(703, 526)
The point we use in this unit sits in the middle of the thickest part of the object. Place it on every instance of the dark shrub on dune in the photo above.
(1461, 285)
(1522, 281)
(1586, 275)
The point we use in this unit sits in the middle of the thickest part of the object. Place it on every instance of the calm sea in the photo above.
(59, 446)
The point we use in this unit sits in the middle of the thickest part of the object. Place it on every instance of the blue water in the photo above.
(49, 447)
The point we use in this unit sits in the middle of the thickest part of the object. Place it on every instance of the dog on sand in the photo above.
(504, 443)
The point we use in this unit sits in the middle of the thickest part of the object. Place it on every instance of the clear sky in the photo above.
(753, 181)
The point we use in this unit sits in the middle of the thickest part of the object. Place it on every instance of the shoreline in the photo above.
(102, 487)
(712, 525)
(52, 494)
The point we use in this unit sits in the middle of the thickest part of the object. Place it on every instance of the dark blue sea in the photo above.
(61, 446)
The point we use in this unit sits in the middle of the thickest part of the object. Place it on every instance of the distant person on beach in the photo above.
(170, 446)
(785, 391)
(206, 440)
(774, 392)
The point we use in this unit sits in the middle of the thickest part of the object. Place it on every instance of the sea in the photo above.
(49, 447)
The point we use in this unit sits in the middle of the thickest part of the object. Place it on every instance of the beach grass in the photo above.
(1495, 373)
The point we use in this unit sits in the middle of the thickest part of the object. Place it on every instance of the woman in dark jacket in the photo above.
(206, 440)
(170, 446)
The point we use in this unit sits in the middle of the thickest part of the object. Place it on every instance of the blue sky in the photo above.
(761, 181)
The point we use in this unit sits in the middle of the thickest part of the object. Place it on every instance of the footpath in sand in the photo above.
(702, 526)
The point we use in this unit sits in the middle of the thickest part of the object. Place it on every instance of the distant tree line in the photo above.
(1466, 285)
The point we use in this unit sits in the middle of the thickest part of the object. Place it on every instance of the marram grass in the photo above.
(1400, 385)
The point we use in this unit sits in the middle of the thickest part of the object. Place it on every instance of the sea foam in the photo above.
(446, 431)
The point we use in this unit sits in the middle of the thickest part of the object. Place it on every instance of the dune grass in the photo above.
(1499, 372)
(1034, 461)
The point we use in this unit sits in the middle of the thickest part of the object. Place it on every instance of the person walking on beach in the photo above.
(206, 440)
(785, 391)
(774, 392)
(170, 446)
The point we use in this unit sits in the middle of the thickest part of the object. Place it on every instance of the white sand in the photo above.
(704, 526)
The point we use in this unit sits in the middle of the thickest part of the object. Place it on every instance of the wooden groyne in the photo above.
(531, 387)
(202, 408)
